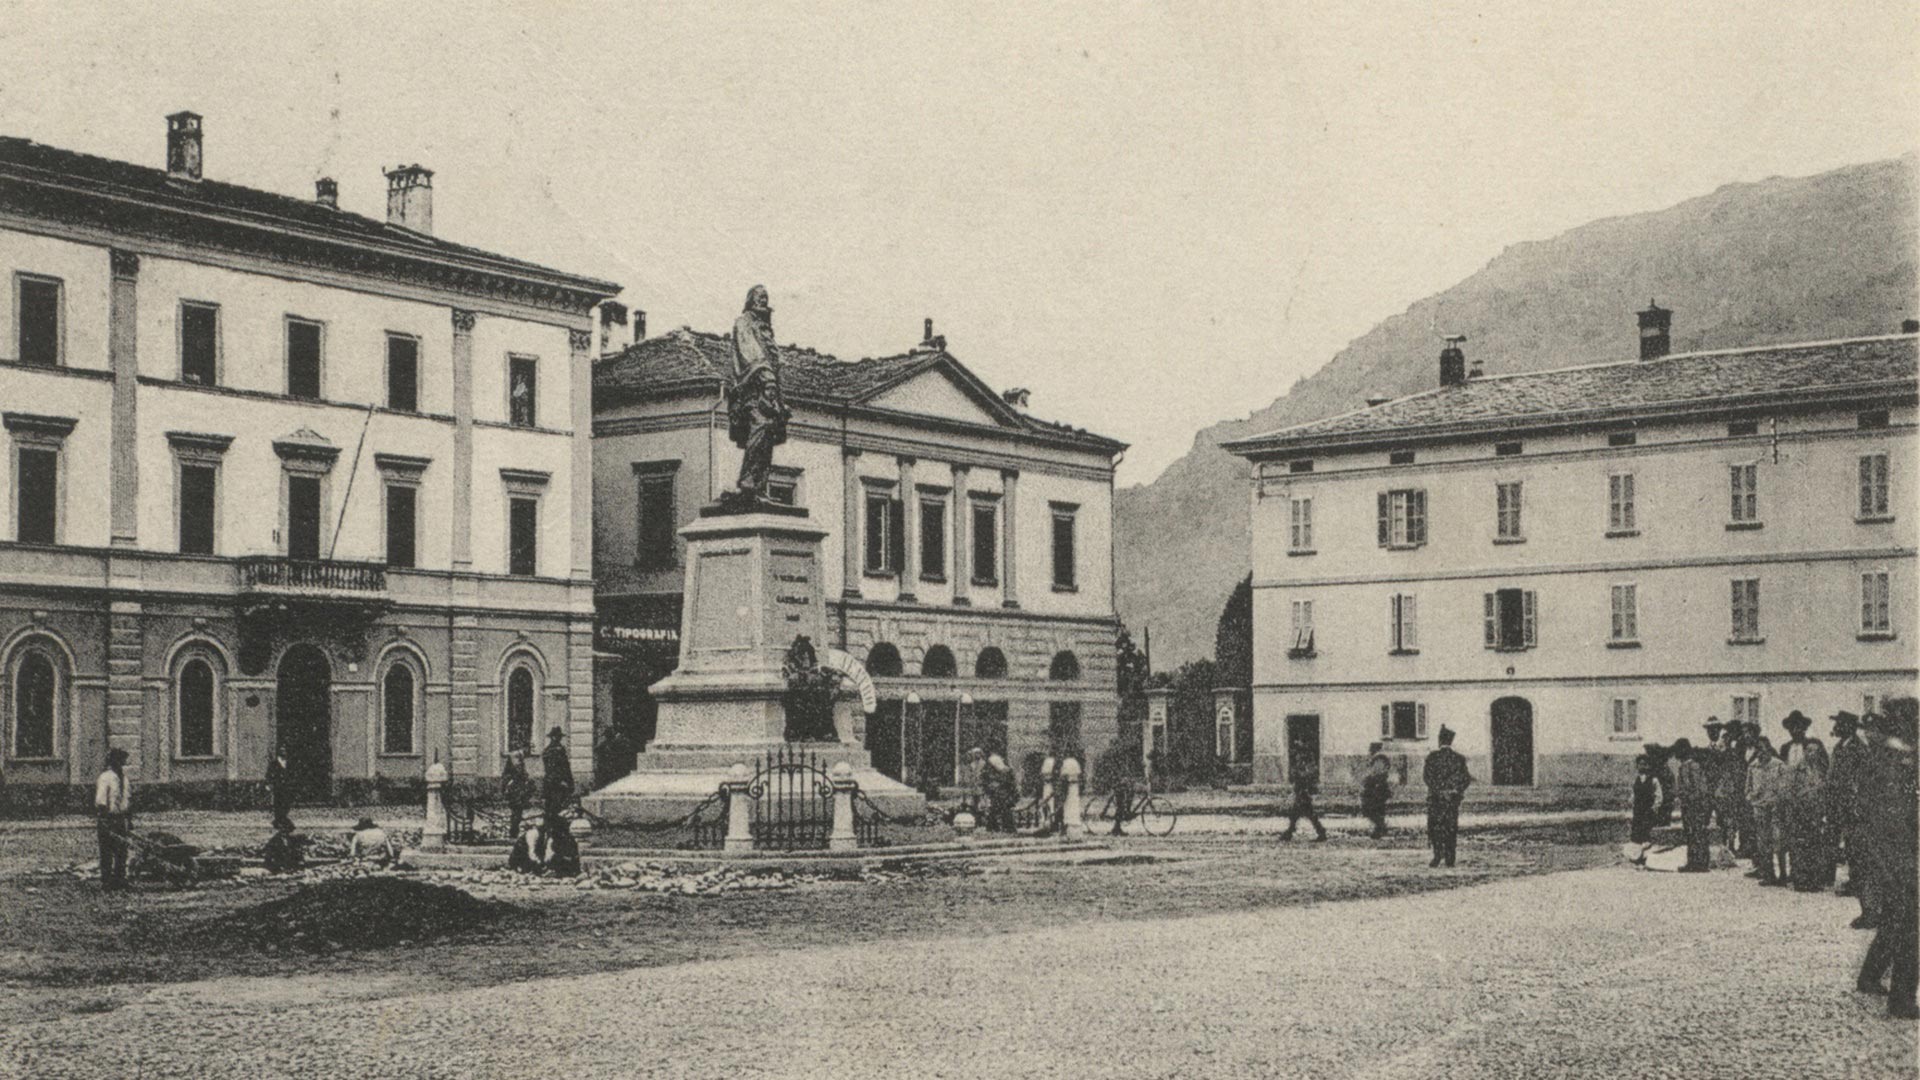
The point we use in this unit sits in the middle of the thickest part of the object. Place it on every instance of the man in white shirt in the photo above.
(113, 819)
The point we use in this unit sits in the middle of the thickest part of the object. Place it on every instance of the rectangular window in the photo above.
(1402, 518)
(654, 543)
(197, 501)
(1302, 629)
(933, 538)
(1507, 510)
(523, 536)
(38, 326)
(986, 544)
(1300, 534)
(1744, 482)
(522, 389)
(1510, 618)
(1400, 457)
(1873, 486)
(1739, 428)
(303, 359)
(1404, 720)
(1506, 449)
(403, 373)
(402, 523)
(783, 485)
(1746, 708)
(1626, 613)
(1626, 716)
(1746, 609)
(1875, 598)
(1623, 438)
(1873, 419)
(303, 517)
(1063, 548)
(886, 533)
(199, 343)
(1620, 517)
(1403, 630)
(1305, 465)
(38, 497)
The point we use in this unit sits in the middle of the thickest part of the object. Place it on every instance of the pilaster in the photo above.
(909, 567)
(126, 697)
(1009, 535)
(463, 439)
(580, 365)
(850, 507)
(962, 557)
(580, 698)
(123, 358)
(463, 700)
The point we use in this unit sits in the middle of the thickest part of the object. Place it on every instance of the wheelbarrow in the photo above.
(162, 856)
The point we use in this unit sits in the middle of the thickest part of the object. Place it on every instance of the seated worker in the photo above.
(524, 858)
(282, 853)
(563, 851)
(371, 843)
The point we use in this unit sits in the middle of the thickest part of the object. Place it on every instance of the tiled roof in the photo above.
(1674, 385)
(27, 159)
(688, 359)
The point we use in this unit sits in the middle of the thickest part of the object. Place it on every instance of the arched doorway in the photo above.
(303, 721)
(1513, 742)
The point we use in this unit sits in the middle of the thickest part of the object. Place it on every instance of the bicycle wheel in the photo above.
(1156, 818)
(1096, 811)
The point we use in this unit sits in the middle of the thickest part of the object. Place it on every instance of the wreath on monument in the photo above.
(810, 693)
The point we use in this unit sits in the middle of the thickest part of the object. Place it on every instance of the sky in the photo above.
(1155, 216)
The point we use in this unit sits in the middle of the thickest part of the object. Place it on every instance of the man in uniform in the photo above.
(1845, 812)
(757, 412)
(1446, 777)
(556, 786)
(1890, 834)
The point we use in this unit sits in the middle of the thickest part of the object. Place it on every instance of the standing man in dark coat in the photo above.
(280, 785)
(556, 786)
(1447, 779)
(1891, 831)
(757, 412)
(1376, 790)
(1306, 784)
(1846, 812)
(1694, 789)
(1646, 799)
(517, 787)
(1805, 805)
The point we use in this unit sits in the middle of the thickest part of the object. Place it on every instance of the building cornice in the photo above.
(1735, 679)
(1511, 572)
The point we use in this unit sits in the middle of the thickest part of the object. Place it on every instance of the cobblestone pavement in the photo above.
(1602, 973)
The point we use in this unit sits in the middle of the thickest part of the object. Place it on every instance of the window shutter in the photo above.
(1385, 528)
(1528, 620)
(1393, 622)
(1386, 721)
(1866, 486)
(1417, 517)
(1409, 622)
(1492, 620)
(1420, 721)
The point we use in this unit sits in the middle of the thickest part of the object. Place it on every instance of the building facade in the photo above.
(1564, 565)
(281, 474)
(968, 556)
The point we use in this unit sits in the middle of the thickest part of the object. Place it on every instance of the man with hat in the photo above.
(556, 785)
(1844, 811)
(1446, 777)
(1889, 833)
(1696, 807)
(113, 819)
(1804, 804)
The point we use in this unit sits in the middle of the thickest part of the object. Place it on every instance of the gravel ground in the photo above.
(1603, 973)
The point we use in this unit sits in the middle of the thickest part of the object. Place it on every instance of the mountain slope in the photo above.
(1798, 259)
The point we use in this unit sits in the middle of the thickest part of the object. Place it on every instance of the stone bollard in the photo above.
(843, 837)
(739, 811)
(434, 836)
(1070, 825)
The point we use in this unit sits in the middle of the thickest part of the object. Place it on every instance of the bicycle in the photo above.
(1155, 815)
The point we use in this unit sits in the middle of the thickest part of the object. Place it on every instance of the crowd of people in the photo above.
(1800, 810)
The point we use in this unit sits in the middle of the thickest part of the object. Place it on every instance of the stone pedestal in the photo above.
(752, 586)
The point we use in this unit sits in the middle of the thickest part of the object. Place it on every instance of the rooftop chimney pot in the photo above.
(326, 192)
(1910, 326)
(612, 313)
(410, 198)
(1453, 361)
(1656, 324)
(927, 335)
(1017, 397)
(183, 145)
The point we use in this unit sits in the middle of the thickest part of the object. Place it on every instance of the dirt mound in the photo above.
(359, 913)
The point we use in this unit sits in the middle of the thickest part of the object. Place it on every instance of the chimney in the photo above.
(183, 146)
(1474, 369)
(1910, 326)
(612, 313)
(410, 198)
(927, 335)
(1655, 339)
(929, 342)
(326, 192)
(639, 326)
(1017, 397)
(1453, 361)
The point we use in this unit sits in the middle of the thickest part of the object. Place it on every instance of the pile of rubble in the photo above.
(362, 911)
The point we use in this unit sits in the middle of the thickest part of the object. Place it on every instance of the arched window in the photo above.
(883, 661)
(520, 702)
(1065, 667)
(397, 710)
(36, 689)
(990, 664)
(196, 705)
(939, 663)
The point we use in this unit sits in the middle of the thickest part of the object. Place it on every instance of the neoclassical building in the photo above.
(968, 556)
(1563, 565)
(281, 473)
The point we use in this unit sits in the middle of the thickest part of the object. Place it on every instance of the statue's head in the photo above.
(757, 300)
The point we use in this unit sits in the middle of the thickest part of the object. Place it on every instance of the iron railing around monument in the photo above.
(792, 797)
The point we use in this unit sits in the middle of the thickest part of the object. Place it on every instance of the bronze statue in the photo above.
(756, 412)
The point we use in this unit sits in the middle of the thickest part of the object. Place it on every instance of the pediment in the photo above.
(938, 392)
